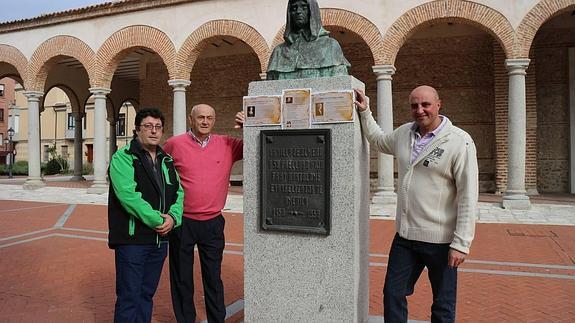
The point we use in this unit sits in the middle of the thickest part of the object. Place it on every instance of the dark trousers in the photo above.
(209, 237)
(138, 270)
(407, 259)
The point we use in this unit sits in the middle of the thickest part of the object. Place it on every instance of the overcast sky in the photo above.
(21, 9)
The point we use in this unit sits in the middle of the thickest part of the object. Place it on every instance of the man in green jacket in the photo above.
(437, 193)
(145, 203)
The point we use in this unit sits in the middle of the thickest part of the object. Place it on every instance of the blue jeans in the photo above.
(407, 259)
(138, 270)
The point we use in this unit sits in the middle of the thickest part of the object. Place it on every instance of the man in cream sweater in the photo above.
(436, 206)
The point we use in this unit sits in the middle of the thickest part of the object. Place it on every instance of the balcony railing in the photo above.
(69, 134)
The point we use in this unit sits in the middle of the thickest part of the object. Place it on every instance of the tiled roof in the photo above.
(64, 13)
(93, 11)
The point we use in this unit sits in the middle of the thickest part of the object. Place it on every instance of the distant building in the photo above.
(57, 125)
(6, 103)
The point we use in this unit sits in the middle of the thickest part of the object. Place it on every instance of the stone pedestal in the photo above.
(296, 277)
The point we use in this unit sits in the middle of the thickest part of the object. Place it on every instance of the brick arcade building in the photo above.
(505, 72)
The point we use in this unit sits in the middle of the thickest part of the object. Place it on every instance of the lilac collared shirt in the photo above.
(421, 142)
(202, 143)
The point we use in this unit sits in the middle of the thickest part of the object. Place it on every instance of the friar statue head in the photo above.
(307, 50)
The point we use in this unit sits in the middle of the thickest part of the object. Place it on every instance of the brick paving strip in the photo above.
(67, 224)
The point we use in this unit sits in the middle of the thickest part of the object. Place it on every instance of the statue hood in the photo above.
(315, 26)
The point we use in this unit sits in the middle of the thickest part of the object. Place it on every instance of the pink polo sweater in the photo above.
(204, 172)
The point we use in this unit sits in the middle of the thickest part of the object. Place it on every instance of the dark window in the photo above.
(121, 125)
(1, 89)
(2, 115)
(70, 121)
(85, 120)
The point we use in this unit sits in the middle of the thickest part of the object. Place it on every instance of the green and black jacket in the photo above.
(136, 200)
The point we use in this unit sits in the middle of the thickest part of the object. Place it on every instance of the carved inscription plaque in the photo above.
(295, 180)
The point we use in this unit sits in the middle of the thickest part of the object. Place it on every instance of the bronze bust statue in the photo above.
(307, 50)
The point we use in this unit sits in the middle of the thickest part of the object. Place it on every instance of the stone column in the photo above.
(515, 196)
(572, 119)
(78, 143)
(34, 179)
(100, 184)
(264, 76)
(113, 146)
(384, 193)
(179, 115)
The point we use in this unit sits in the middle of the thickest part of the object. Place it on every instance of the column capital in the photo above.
(178, 84)
(384, 72)
(33, 95)
(517, 65)
(99, 91)
(264, 76)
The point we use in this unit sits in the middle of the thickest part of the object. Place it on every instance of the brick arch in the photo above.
(72, 96)
(533, 20)
(45, 56)
(122, 42)
(12, 56)
(134, 102)
(353, 22)
(196, 41)
(466, 12)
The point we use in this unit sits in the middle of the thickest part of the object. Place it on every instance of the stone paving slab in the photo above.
(65, 271)
(489, 212)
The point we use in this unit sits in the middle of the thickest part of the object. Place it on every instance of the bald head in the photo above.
(202, 107)
(425, 104)
(424, 90)
(202, 119)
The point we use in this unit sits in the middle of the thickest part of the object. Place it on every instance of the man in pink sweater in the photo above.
(204, 161)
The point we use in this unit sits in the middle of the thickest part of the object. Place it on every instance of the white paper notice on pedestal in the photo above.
(296, 105)
(332, 107)
(264, 110)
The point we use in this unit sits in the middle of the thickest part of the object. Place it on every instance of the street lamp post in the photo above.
(11, 153)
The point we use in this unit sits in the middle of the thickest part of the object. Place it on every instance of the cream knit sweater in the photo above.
(437, 194)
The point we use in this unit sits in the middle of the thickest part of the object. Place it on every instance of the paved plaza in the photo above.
(56, 265)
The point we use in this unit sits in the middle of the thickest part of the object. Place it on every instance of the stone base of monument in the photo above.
(309, 276)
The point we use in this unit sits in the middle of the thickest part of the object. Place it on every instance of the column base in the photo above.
(383, 203)
(382, 210)
(98, 188)
(77, 178)
(385, 197)
(33, 184)
(516, 201)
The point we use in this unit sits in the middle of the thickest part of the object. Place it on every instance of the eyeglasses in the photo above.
(149, 126)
